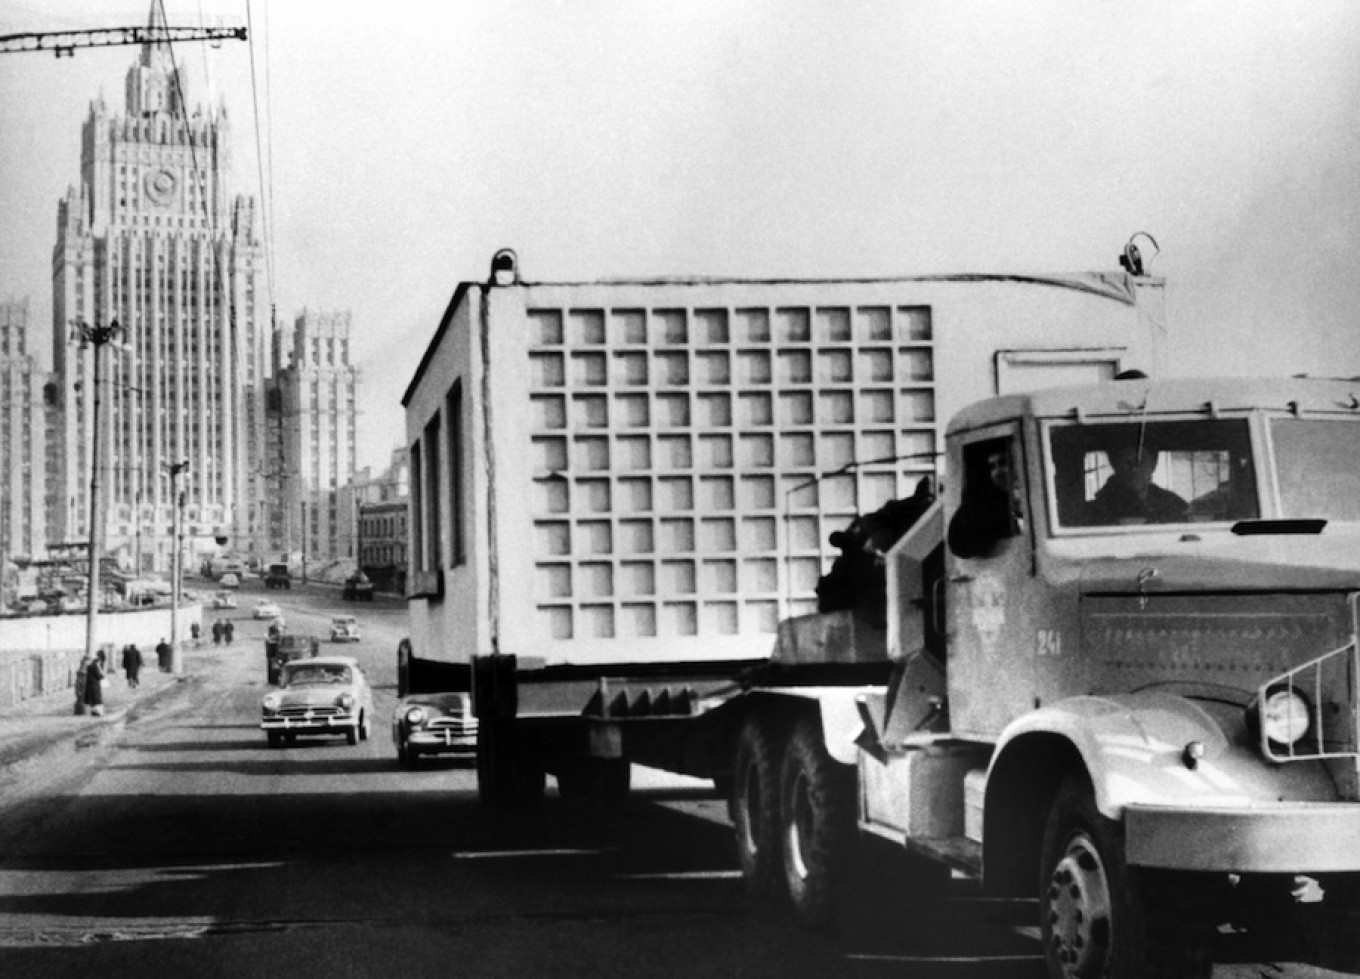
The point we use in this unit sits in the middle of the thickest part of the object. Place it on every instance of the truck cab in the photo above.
(1125, 647)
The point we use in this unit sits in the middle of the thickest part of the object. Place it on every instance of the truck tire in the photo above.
(755, 807)
(352, 734)
(508, 776)
(1101, 918)
(817, 824)
(275, 739)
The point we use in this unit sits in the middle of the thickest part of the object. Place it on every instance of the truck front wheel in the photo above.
(817, 824)
(1099, 917)
(755, 806)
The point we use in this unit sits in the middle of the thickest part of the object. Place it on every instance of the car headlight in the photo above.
(415, 716)
(271, 702)
(346, 700)
(1282, 716)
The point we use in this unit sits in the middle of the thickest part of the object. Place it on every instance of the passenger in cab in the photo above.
(1130, 495)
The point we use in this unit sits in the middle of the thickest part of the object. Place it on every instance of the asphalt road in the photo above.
(190, 848)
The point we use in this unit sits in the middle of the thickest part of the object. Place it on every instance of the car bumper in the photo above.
(1300, 838)
(304, 723)
(441, 742)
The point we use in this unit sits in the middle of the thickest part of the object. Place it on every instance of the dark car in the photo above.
(277, 576)
(434, 724)
(282, 647)
(358, 588)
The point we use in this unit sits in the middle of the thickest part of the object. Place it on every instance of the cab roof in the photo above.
(1150, 396)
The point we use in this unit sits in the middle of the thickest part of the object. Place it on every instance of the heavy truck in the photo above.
(1145, 722)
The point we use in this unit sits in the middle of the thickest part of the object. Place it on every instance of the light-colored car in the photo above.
(344, 628)
(321, 695)
(266, 610)
(224, 599)
(230, 580)
(434, 724)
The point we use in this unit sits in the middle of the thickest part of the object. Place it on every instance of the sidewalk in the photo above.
(48, 723)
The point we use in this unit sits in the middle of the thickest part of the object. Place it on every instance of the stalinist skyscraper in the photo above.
(155, 238)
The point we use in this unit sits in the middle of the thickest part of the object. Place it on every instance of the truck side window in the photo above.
(990, 511)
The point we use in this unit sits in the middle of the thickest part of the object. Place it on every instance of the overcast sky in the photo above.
(404, 142)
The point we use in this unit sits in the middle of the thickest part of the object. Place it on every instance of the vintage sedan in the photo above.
(344, 628)
(321, 695)
(266, 610)
(224, 599)
(434, 724)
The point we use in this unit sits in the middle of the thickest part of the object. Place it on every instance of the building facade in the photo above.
(312, 441)
(382, 521)
(22, 438)
(154, 238)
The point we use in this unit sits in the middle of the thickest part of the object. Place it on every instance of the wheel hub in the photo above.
(1079, 910)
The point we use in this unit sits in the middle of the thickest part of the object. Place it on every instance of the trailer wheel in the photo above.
(754, 807)
(507, 774)
(1099, 917)
(817, 824)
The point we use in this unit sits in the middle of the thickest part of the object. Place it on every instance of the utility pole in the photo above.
(176, 469)
(304, 542)
(98, 337)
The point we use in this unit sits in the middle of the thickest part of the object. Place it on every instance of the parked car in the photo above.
(344, 628)
(434, 725)
(282, 648)
(358, 588)
(266, 610)
(321, 695)
(278, 576)
(230, 580)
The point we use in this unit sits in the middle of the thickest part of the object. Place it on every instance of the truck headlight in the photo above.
(1282, 715)
(415, 716)
(347, 700)
(271, 702)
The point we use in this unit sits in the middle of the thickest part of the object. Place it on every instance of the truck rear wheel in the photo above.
(1099, 917)
(754, 807)
(603, 782)
(817, 824)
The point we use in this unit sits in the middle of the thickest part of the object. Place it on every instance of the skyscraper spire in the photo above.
(153, 84)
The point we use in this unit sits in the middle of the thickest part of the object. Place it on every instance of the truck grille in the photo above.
(1331, 683)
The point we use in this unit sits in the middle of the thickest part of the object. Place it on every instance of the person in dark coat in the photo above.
(94, 685)
(163, 656)
(217, 631)
(132, 665)
(228, 631)
(82, 669)
(194, 632)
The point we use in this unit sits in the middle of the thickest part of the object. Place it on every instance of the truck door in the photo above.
(989, 567)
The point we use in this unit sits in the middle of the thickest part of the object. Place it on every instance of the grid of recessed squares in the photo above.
(687, 459)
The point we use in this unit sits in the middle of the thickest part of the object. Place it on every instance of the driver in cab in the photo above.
(1130, 496)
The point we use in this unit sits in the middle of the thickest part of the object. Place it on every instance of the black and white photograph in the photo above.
(779, 489)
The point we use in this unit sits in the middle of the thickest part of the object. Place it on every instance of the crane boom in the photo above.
(64, 43)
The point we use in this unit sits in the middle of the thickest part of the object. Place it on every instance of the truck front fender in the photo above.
(1135, 749)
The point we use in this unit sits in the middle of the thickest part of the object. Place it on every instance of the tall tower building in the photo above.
(154, 238)
(316, 422)
(22, 455)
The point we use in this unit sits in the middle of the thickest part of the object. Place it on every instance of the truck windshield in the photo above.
(1153, 472)
(1318, 467)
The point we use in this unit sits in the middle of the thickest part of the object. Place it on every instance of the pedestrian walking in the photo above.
(194, 632)
(94, 685)
(217, 631)
(132, 665)
(228, 630)
(80, 679)
(163, 655)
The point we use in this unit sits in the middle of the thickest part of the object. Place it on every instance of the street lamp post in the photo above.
(97, 337)
(176, 469)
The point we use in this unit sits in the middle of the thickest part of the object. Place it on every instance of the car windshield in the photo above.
(1153, 472)
(308, 675)
(1317, 465)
